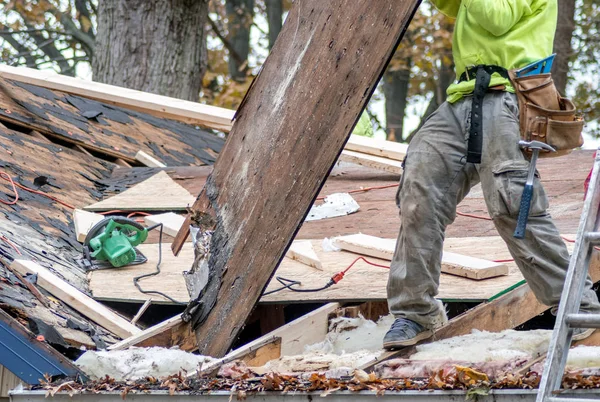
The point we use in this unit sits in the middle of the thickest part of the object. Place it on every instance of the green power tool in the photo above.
(114, 239)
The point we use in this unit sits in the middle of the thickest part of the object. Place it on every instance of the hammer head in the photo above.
(536, 145)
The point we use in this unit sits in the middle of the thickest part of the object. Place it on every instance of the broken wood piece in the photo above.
(84, 221)
(170, 220)
(375, 162)
(268, 175)
(303, 251)
(169, 333)
(157, 193)
(141, 311)
(148, 160)
(381, 148)
(452, 263)
(85, 305)
(334, 205)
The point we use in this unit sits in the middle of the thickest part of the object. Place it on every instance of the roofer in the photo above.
(443, 163)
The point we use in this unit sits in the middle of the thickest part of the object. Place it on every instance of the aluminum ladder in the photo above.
(568, 317)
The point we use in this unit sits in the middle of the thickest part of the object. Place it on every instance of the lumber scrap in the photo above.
(452, 263)
(84, 221)
(505, 312)
(170, 220)
(382, 148)
(371, 161)
(167, 333)
(157, 105)
(157, 193)
(148, 160)
(87, 306)
(303, 251)
(284, 142)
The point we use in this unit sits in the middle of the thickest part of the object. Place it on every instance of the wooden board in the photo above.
(158, 193)
(166, 334)
(84, 221)
(362, 283)
(87, 306)
(287, 135)
(375, 162)
(371, 146)
(148, 160)
(170, 220)
(452, 263)
(164, 106)
(303, 251)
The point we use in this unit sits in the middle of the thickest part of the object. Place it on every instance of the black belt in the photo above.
(482, 75)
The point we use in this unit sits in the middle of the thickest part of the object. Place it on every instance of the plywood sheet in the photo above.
(158, 193)
(362, 283)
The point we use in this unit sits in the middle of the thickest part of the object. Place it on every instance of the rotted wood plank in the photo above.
(286, 137)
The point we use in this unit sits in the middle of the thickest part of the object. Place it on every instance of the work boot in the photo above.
(405, 333)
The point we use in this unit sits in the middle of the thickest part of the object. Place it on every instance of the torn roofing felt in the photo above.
(64, 146)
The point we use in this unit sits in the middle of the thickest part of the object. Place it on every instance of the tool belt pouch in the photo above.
(546, 116)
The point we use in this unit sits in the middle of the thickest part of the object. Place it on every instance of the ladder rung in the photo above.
(583, 320)
(593, 237)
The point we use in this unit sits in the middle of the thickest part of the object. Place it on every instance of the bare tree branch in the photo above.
(87, 42)
(47, 46)
(22, 50)
(235, 55)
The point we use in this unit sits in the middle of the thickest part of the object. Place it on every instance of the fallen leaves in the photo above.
(473, 382)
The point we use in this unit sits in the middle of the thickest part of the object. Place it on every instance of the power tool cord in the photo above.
(138, 278)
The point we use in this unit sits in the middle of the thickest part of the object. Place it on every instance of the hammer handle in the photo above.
(524, 211)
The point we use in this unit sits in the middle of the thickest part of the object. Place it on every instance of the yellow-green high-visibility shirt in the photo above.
(506, 33)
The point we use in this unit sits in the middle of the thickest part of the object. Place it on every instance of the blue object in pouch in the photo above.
(543, 66)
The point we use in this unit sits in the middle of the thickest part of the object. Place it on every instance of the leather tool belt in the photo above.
(546, 116)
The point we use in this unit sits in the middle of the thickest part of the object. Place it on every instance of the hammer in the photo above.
(535, 146)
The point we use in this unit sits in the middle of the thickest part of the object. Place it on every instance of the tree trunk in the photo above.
(275, 18)
(562, 44)
(240, 14)
(152, 45)
(395, 89)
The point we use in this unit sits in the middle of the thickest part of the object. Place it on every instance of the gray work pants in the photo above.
(437, 177)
